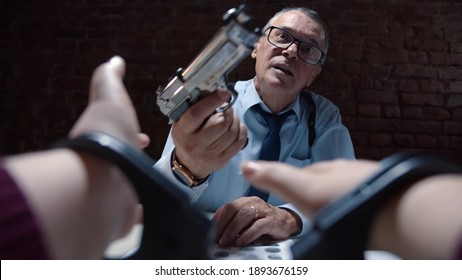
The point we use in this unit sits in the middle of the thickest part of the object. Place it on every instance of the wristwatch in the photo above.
(183, 174)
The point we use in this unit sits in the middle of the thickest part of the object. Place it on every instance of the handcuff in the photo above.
(340, 230)
(173, 228)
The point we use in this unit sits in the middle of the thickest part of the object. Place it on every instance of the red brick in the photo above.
(421, 126)
(371, 110)
(453, 128)
(439, 114)
(380, 139)
(426, 141)
(408, 85)
(456, 87)
(415, 71)
(431, 86)
(457, 114)
(392, 111)
(423, 99)
(455, 100)
(404, 140)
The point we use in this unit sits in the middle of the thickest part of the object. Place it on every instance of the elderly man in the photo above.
(204, 149)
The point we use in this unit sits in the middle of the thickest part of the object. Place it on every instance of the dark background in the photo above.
(393, 68)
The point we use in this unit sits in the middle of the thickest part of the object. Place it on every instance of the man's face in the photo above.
(281, 73)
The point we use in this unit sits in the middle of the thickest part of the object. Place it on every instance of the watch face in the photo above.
(184, 178)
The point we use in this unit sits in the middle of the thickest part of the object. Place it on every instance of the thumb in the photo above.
(110, 109)
(119, 65)
(143, 140)
(107, 82)
(289, 182)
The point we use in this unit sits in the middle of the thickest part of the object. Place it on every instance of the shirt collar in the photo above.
(250, 98)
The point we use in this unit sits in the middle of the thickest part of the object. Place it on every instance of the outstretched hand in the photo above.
(110, 109)
(84, 202)
(309, 188)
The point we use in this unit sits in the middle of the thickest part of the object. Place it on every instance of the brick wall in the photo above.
(394, 67)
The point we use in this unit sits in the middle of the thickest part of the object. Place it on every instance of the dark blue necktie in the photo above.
(271, 145)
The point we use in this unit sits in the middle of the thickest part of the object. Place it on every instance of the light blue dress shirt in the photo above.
(227, 184)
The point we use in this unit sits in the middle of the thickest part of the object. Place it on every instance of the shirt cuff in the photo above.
(305, 221)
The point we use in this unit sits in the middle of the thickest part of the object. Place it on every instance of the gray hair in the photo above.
(310, 13)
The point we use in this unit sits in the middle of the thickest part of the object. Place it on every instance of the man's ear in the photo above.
(254, 51)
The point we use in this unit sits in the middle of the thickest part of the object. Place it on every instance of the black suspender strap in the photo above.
(306, 94)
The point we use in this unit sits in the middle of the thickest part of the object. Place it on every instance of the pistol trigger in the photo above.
(233, 97)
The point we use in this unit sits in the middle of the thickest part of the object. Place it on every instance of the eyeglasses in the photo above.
(307, 52)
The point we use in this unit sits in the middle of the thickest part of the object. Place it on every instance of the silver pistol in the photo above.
(233, 42)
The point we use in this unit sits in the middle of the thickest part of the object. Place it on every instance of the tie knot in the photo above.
(274, 122)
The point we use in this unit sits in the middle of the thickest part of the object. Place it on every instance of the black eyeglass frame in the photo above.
(320, 59)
